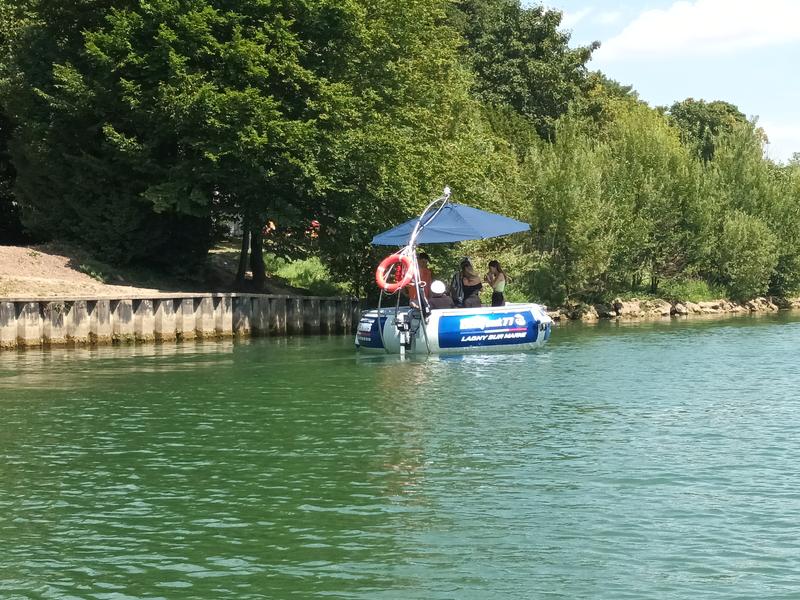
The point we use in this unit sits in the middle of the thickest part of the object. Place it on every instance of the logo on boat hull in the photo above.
(491, 329)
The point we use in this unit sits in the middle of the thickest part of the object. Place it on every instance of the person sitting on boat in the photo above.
(497, 279)
(439, 298)
(472, 284)
(425, 279)
(456, 290)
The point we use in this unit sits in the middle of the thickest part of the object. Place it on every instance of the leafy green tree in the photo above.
(785, 223)
(748, 254)
(86, 153)
(11, 231)
(522, 58)
(651, 181)
(602, 101)
(139, 125)
(701, 123)
(343, 112)
(412, 129)
(741, 173)
(146, 120)
(748, 183)
(571, 238)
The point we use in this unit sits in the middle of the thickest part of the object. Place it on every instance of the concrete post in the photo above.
(165, 320)
(242, 315)
(260, 311)
(29, 324)
(54, 330)
(295, 317)
(277, 314)
(342, 315)
(223, 316)
(204, 323)
(77, 323)
(100, 328)
(8, 326)
(185, 319)
(328, 315)
(311, 316)
(122, 321)
(144, 323)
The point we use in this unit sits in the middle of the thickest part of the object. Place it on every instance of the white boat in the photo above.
(402, 329)
(454, 330)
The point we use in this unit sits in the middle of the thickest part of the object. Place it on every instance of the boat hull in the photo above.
(512, 327)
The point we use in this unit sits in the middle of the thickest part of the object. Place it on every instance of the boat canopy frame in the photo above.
(434, 208)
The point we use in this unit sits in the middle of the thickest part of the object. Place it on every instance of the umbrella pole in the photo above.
(420, 297)
(412, 245)
(411, 248)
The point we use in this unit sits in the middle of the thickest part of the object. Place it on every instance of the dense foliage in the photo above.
(11, 231)
(136, 128)
(628, 207)
(520, 58)
(701, 123)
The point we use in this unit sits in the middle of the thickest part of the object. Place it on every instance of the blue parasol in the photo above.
(453, 223)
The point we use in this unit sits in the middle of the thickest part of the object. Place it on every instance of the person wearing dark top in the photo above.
(456, 290)
(497, 279)
(472, 285)
(439, 297)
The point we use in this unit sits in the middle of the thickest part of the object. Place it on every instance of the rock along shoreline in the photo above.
(636, 310)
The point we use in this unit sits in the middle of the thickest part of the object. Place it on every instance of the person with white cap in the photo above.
(439, 297)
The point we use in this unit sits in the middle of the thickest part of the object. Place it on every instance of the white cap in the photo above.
(437, 287)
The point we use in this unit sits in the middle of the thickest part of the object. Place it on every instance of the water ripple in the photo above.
(655, 461)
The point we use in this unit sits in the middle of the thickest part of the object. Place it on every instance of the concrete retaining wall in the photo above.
(32, 322)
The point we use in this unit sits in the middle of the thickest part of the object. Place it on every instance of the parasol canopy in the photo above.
(454, 223)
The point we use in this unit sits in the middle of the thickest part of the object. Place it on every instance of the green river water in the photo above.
(649, 461)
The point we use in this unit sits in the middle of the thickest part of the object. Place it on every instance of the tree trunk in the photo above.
(653, 277)
(257, 258)
(243, 255)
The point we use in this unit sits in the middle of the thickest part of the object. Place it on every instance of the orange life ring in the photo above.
(404, 273)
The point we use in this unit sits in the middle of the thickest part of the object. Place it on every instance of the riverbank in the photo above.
(58, 270)
(58, 295)
(62, 274)
(635, 309)
(75, 321)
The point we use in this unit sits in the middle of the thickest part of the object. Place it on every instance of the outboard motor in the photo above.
(403, 324)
